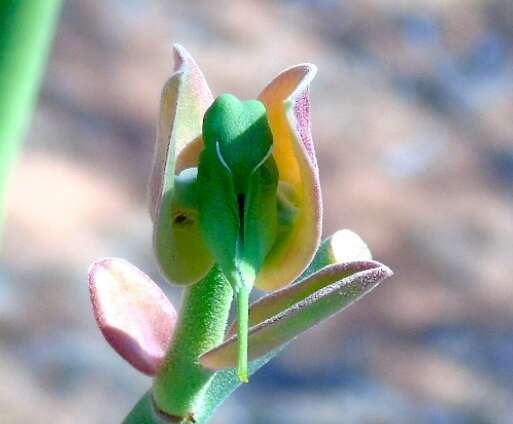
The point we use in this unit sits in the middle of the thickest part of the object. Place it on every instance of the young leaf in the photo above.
(327, 300)
(133, 313)
(279, 301)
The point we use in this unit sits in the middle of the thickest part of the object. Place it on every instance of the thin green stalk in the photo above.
(180, 386)
(242, 332)
(26, 30)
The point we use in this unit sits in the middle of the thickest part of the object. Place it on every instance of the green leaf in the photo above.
(322, 295)
(344, 248)
(224, 383)
(26, 33)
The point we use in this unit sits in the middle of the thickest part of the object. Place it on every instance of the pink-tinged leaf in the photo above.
(327, 292)
(287, 103)
(179, 246)
(184, 100)
(280, 300)
(133, 313)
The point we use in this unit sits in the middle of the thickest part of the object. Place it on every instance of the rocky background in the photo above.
(413, 123)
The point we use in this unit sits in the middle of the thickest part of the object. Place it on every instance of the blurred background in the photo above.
(413, 124)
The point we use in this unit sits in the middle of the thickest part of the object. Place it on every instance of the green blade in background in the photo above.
(26, 32)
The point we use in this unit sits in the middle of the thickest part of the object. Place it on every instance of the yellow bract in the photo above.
(287, 103)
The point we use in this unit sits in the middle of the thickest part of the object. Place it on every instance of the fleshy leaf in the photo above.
(133, 313)
(287, 103)
(278, 301)
(179, 245)
(322, 295)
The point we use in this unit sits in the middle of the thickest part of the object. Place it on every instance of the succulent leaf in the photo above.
(322, 295)
(133, 313)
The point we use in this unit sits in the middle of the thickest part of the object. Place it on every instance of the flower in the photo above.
(180, 245)
(234, 184)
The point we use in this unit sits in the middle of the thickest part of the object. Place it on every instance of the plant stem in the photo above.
(144, 413)
(242, 331)
(210, 389)
(181, 383)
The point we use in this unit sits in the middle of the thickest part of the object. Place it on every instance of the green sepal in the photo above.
(179, 244)
(218, 211)
(237, 188)
(240, 131)
(260, 215)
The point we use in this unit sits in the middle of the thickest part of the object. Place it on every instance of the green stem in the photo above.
(176, 389)
(26, 30)
(180, 386)
(144, 412)
(242, 332)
